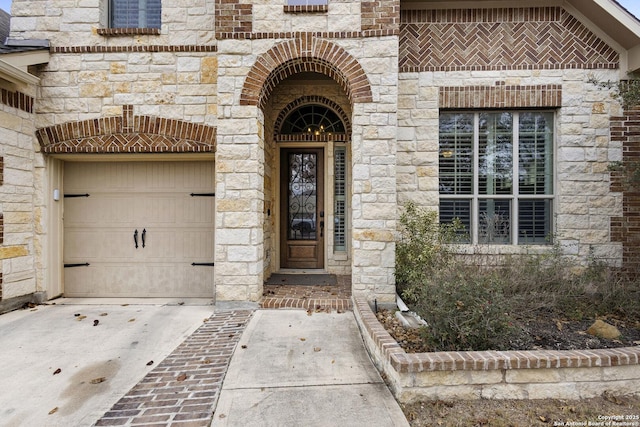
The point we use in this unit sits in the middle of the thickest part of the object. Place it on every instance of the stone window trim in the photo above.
(119, 32)
(319, 8)
(128, 133)
(305, 54)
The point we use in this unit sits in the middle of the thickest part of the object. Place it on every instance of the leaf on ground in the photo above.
(303, 339)
(97, 380)
(81, 317)
(309, 312)
(53, 411)
(95, 322)
(243, 346)
(104, 314)
(181, 377)
(317, 349)
(132, 320)
(558, 324)
(124, 305)
(150, 362)
(57, 371)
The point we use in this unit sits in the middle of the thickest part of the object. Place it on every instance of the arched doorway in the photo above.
(311, 136)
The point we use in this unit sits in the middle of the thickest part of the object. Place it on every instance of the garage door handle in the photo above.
(144, 233)
(135, 238)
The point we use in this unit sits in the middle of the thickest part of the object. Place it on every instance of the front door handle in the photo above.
(135, 238)
(144, 233)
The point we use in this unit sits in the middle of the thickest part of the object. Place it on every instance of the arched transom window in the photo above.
(312, 119)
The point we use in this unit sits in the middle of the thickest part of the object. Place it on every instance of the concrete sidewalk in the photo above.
(97, 364)
(293, 369)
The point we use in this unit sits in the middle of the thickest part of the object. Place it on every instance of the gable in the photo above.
(499, 39)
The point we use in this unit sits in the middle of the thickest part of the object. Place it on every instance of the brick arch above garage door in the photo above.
(127, 134)
(305, 54)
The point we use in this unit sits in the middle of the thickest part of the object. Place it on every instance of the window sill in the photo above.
(116, 32)
(321, 8)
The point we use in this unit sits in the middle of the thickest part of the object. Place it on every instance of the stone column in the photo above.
(239, 237)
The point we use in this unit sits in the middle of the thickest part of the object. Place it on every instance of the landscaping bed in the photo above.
(535, 334)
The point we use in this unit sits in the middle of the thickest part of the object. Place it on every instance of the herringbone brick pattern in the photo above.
(496, 39)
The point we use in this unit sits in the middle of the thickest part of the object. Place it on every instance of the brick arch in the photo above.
(127, 134)
(305, 54)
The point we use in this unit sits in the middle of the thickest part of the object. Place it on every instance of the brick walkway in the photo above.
(184, 388)
(320, 298)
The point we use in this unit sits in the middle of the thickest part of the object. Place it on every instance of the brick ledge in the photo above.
(404, 362)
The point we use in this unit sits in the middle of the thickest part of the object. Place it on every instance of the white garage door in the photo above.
(139, 229)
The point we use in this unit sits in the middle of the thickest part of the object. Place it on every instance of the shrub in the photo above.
(464, 310)
(468, 307)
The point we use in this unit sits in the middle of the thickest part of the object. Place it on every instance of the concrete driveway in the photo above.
(58, 369)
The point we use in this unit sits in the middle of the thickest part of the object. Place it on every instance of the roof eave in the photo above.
(16, 75)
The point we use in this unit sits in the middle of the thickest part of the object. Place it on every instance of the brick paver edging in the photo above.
(495, 369)
(183, 389)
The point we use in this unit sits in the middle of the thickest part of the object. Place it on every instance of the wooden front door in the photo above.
(302, 208)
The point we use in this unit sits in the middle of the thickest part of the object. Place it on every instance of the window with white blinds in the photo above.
(496, 175)
(135, 13)
(340, 199)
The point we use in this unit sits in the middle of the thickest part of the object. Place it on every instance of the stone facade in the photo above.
(21, 211)
(218, 77)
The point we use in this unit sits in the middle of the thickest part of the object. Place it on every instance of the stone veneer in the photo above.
(215, 65)
(539, 374)
(21, 210)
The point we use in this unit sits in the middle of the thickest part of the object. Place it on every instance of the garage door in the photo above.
(139, 229)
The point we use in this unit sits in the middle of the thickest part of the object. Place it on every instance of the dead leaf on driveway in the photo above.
(81, 317)
(57, 371)
(181, 377)
(317, 349)
(150, 362)
(95, 322)
(97, 380)
(103, 314)
(132, 320)
(303, 339)
(53, 411)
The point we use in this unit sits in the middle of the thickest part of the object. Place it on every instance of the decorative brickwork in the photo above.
(501, 96)
(380, 15)
(319, 100)
(136, 48)
(319, 8)
(233, 17)
(17, 100)
(183, 389)
(499, 39)
(128, 134)
(114, 32)
(305, 54)
(626, 229)
(561, 374)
